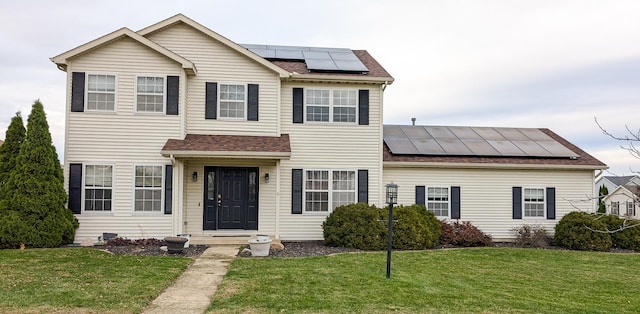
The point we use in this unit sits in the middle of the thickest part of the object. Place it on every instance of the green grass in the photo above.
(79, 280)
(481, 280)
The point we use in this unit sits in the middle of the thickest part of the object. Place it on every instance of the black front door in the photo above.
(231, 198)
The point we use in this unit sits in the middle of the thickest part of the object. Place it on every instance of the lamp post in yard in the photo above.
(392, 198)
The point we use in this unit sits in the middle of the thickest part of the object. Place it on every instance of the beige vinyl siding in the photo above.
(219, 63)
(622, 196)
(486, 194)
(194, 196)
(330, 146)
(122, 138)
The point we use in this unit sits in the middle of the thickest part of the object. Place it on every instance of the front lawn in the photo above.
(475, 280)
(78, 280)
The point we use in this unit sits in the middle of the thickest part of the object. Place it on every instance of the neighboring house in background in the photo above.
(623, 201)
(612, 182)
(176, 129)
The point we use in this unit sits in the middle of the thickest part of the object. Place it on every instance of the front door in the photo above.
(231, 198)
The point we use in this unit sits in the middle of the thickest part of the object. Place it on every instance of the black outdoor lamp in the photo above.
(391, 198)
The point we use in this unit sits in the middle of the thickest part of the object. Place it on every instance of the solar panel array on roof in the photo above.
(316, 58)
(472, 141)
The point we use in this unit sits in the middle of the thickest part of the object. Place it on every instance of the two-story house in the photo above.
(176, 129)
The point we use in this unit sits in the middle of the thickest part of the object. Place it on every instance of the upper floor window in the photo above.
(98, 185)
(148, 189)
(533, 202)
(233, 101)
(323, 105)
(631, 209)
(438, 201)
(325, 190)
(615, 208)
(150, 94)
(101, 92)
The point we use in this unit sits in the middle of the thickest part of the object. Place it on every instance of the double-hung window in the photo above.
(323, 105)
(631, 209)
(148, 189)
(438, 201)
(98, 184)
(101, 92)
(233, 101)
(615, 208)
(327, 189)
(533, 202)
(150, 94)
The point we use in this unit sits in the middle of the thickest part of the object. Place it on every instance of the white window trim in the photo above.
(618, 208)
(633, 206)
(86, 93)
(329, 190)
(113, 188)
(246, 97)
(164, 95)
(544, 203)
(426, 199)
(133, 192)
(331, 106)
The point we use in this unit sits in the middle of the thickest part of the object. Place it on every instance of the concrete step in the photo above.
(224, 240)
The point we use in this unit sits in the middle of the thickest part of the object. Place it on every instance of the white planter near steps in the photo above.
(260, 246)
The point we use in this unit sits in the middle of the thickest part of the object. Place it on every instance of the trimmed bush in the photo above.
(624, 233)
(415, 228)
(463, 234)
(364, 227)
(355, 226)
(576, 231)
(532, 236)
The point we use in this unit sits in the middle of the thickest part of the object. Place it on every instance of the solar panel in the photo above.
(472, 141)
(316, 58)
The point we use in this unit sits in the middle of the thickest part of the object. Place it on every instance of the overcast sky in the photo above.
(546, 64)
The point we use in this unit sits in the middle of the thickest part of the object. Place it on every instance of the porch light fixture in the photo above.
(194, 176)
(392, 198)
(266, 177)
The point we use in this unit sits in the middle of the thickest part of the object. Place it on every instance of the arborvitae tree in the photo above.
(602, 208)
(35, 189)
(10, 149)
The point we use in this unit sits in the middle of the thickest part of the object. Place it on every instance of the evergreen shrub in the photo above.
(625, 232)
(579, 231)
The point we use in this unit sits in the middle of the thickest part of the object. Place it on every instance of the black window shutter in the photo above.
(168, 189)
(77, 92)
(363, 186)
(75, 188)
(252, 102)
(551, 203)
(173, 90)
(363, 107)
(211, 101)
(296, 191)
(420, 195)
(298, 105)
(455, 202)
(517, 202)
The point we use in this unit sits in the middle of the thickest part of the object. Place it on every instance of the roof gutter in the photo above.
(401, 164)
(341, 78)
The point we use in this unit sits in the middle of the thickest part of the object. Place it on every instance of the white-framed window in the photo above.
(101, 92)
(98, 188)
(324, 105)
(438, 201)
(631, 209)
(233, 101)
(148, 181)
(327, 189)
(615, 208)
(150, 94)
(533, 202)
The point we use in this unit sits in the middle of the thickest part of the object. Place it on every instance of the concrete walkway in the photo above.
(193, 290)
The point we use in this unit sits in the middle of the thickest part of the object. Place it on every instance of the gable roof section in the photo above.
(180, 18)
(229, 146)
(583, 160)
(619, 180)
(631, 191)
(62, 60)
